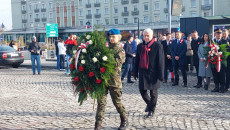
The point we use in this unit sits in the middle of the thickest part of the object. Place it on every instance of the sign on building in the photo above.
(51, 30)
(177, 8)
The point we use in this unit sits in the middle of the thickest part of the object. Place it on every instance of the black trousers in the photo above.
(62, 61)
(151, 100)
(199, 79)
(228, 73)
(183, 71)
(219, 77)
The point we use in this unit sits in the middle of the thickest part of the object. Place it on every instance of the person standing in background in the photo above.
(62, 53)
(189, 54)
(57, 53)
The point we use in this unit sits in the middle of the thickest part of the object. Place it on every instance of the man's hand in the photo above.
(32, 50)
(169, 57)
(134, 55)
(177, 58)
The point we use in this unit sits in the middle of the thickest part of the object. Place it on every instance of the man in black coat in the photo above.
(129, 55)
(149, 66)
(196, 41)
(168, 59)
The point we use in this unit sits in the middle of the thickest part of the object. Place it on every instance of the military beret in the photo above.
(113, 32)
(218, 30)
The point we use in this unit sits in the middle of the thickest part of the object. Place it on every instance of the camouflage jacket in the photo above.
(119, 56)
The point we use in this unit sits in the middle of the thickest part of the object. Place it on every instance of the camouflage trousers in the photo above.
(115, 94)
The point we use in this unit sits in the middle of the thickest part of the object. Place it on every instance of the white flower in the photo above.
(84, 51)
(94, 59)
(104, 58)
(217, 47)
(211, 54)
(88, 37)
(220, 53)
(90, 42)
(75, 51)
(83, 62)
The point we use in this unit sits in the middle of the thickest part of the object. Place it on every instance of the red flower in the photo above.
(221, 55)
(98, 81)
(91, 74)
(80, 89)
(221, 60)
(102, 69)
(81, 68)
(181, 41)
(76, 79)
(71, 66)
(215, 57)
(88, 88)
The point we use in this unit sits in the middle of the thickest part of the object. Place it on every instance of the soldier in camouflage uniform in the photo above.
(115, 84)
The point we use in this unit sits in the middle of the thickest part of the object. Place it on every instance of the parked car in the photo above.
(10, 56)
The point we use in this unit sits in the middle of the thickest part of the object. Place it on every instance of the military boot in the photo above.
(124, 123)
(97, 126)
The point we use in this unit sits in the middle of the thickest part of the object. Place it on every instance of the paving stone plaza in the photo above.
(46, 101)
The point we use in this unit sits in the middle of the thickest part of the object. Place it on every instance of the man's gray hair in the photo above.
(149, 30)
(34, 37)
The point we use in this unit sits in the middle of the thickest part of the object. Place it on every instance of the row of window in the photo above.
(37, 6)
(50, 15)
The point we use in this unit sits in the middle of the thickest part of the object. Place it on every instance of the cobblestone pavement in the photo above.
(46, 101)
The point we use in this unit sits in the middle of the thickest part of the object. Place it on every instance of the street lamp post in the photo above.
(138, 27)
(169, 15)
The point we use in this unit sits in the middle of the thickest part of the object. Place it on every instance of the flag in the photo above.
(177, 7)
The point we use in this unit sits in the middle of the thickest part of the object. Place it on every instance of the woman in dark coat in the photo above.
(150, 67)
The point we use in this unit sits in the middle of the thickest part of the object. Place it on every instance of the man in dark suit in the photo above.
(178, 51)
(196, 40)
(129, 55)
(219, 77)
(168, 59)
(149, 66)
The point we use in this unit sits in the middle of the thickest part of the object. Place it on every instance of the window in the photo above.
(115, 0)
(106, 1)
(30, 16)
(43, 15)
(81, 23)
(24, 16)
(80, 2)
(206, 2)
(36, 6)
(193, 3)
(43, 6)
(193, 14)
(89, 11)
(106, 10)
(135, 8)
(50, 5)
(98, 22)
(115, 21)
(125, 20)
(30, 7)
(37, 16)
(80, 12)
(107, 21)
(97, 11)
(115, 10)
(157, 18)
(146, 7)
(51, 15)
(98, 1)
(135, 20)
(166, 18)
(157, 6)
(146, 19)
(23, 7)
(24, 26)
(89, 1)
(125, 9)
(31, 25)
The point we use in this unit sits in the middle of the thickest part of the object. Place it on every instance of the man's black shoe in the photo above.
(150, 114)
(130, 82)
(221, 91)
(205, 87)
(215, 89)
(124, 124)
(147, 109)
(197, 86)
(174, 84)
(185, 85)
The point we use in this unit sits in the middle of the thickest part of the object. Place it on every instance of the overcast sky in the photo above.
(5, 13)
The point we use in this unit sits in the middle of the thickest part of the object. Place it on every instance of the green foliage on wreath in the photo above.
(102, 69)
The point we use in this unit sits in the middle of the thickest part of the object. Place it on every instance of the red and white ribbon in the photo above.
(218, 57)
(82, 46)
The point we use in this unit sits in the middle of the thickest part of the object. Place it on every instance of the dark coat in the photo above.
(195, 45)
(167, 51)
(128, 53)
(150, 78)
(179, 50)
(56, 47)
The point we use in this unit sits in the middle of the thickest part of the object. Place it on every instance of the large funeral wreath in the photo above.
(92, 65)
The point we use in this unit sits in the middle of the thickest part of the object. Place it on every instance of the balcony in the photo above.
(36, 10)
(89, 16)
(135, 12)
(166, 10)
(97, 15)
(88, 5)
(23, 11)
(23, 2)
(97, 5)
(206, 7)
(44, 19)
(43, 10)
(123, 2)
(37, 20)
(125, 14)
(134, 1)
(24, 20)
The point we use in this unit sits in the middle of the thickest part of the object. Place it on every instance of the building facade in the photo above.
(30, 16)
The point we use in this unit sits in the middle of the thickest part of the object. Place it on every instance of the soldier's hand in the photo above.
(135, 77)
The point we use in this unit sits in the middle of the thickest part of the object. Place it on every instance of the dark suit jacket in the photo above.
(128, 52)
(150, 79)
(179, 50)
(167, 51)
(195, 45)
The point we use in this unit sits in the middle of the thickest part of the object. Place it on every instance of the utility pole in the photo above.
(92, 13)
(213, 5)
(138, 27)
(169, 15)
